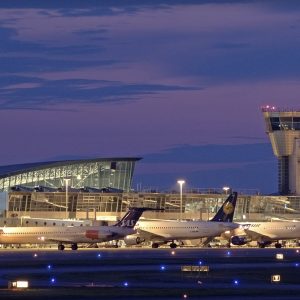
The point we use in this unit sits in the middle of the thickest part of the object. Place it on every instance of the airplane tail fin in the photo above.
(132, 216)
(225, 213)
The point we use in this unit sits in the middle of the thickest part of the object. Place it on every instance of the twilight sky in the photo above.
(179, 83)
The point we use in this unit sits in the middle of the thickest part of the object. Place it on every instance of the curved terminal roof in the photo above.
(11, 170)
(99, 173)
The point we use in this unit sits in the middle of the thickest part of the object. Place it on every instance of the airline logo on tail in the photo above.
(225, 213)
(228, 208)
(128, 223)
(132, 216)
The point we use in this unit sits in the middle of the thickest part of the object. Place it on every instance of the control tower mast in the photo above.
(283, 128)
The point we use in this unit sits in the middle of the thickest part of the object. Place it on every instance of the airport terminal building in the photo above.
(100, 189)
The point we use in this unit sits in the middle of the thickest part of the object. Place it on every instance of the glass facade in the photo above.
(113, 173)
(195, 206)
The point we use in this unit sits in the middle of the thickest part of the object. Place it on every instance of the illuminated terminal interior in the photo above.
(100, 189)
(98, 173)
(195, 206)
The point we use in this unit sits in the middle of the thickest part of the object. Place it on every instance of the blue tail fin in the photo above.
(132, 216)
(225, 213)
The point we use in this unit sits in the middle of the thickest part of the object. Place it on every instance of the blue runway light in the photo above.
(49, 267)
(53, 280)
(236, 282)
(228, 253)
(200, 262)
(98, 255)
(125, 284)
(162, 268)
(296, 264)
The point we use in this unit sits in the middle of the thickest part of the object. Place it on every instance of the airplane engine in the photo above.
(132, 240)
(239, 240)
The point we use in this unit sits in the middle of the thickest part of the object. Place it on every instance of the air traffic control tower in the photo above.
(283, 128)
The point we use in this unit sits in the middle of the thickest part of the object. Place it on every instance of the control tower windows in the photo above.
(296, 123)
(285, 123)
(275, 123)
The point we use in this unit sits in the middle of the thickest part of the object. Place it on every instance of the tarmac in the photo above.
(151, 273)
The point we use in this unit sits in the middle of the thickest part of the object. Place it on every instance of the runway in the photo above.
(151, 274)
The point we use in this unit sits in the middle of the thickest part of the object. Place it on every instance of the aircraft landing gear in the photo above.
(155, 245)
(263, 244)
(61, 247)
(74, 247)
(278, 245)
(173, 245)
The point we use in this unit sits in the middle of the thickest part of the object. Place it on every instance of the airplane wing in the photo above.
(258, 236)
(151, 236)
(61, 240)
(254, 235)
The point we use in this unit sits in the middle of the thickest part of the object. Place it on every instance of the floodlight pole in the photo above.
(226, 189)
(67, 196)
(181, 183)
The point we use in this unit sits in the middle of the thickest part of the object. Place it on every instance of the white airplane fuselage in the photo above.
(76, 234)
(183, 230)
(271, 230)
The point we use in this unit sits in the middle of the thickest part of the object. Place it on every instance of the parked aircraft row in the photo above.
(239, 233)
(164, 231)
(158, 232)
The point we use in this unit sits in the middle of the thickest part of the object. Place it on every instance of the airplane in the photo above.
(164, 231)
(72, 234)
(265, 233)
